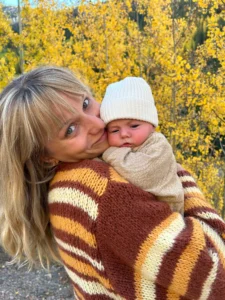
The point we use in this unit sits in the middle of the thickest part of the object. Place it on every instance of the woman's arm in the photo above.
(116, 241)
(167, 256)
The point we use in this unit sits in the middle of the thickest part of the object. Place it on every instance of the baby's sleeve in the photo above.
(152, 167)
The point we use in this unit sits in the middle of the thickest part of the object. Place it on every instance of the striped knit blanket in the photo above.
(118, 242)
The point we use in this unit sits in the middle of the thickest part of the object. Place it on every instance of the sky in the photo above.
(15, 2)
(10, 2)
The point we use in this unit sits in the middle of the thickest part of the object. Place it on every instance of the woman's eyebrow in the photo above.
(67, 123)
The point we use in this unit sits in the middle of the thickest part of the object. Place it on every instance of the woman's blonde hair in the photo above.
(26, 119)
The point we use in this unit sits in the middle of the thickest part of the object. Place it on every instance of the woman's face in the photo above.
(82, 136)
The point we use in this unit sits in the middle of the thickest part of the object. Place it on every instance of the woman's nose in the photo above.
(95, 124)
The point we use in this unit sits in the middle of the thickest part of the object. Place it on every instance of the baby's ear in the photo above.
(153, 128)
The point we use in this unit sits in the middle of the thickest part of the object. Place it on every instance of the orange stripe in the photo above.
(143, 251)
(114, 176)
(187, 261)
(86, 177)
(73, 228)
(195, 194)
(84, 269)
(195, 202)
(78, 294)
(173, 296)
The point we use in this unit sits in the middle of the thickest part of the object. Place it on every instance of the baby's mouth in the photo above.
(126, 145)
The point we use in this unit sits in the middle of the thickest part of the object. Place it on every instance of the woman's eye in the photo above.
(85, 103)
(70, 130)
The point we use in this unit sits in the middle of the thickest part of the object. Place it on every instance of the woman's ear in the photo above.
(50, 161)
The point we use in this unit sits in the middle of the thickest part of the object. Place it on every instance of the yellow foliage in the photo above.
(8, 59)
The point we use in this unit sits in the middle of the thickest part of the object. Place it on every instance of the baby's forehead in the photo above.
(120, 122)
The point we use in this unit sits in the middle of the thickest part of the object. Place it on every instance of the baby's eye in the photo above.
(114, 131)
(134, 125)
(70, 130)
(86, 103)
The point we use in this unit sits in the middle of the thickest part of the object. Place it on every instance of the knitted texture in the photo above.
(130, 98)
(117, 242)
(152, 167)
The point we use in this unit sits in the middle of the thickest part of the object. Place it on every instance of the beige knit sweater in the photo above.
(152, 167)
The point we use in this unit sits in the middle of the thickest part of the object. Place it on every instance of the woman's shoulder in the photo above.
(94, 172)
(93, 177)
(94, 165)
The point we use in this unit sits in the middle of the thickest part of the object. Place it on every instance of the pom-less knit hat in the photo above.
(130, 98)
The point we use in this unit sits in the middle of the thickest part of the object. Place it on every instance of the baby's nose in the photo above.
(125, 133)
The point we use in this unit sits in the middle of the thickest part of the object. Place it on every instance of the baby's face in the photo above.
(128, 132)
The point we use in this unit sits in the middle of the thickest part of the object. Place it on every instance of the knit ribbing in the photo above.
(130, 98)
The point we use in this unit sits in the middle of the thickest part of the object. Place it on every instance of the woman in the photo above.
(115, 240)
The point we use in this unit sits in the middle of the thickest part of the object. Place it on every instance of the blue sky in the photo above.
(9, 2)
(15, 2)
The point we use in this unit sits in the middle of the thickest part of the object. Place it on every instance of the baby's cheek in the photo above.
(113, 140)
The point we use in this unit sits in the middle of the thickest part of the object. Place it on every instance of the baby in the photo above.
(138, 153)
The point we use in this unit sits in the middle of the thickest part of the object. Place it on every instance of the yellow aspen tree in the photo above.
(211, 60)
(100, 43)
(166, 34)
(43, 35)
(8, 58)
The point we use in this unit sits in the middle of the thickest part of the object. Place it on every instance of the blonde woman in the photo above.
(59, 201)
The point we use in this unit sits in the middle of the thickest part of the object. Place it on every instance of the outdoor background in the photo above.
(177, 46)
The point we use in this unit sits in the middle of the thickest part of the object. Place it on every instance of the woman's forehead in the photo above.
(72, 98)
(69, 107)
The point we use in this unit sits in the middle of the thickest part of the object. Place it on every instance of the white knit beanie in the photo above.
(130, 98)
